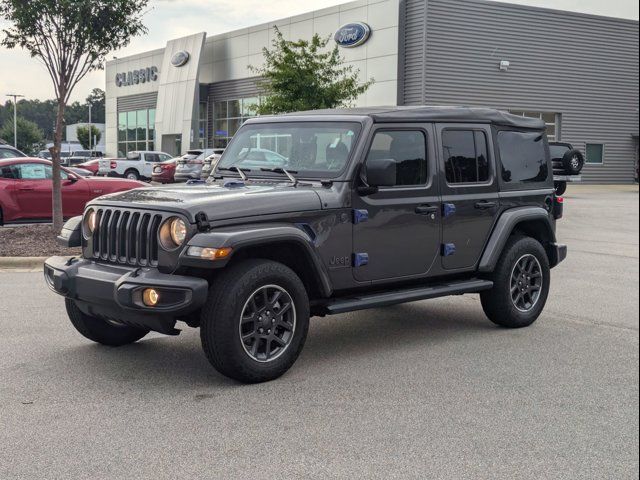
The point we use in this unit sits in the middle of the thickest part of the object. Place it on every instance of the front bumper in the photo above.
(557, 253)
(115, 292)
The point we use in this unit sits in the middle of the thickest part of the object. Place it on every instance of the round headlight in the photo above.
(90, 222)
(178, 231)
(173, 233)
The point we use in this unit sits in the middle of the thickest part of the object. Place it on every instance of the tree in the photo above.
(305, 75)
(83, 136)
(70, 38)
(29, 135)
(96, 100)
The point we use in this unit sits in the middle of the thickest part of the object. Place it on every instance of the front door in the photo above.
(469, 192)
(396, 233)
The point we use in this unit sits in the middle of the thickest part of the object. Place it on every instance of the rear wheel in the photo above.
(255, 322)
(1, 217)
(520, 284)
(132, 175)
(102, 331)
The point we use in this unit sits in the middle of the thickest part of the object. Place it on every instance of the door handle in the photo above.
(426, 210)
(485, 205)
(25, 189)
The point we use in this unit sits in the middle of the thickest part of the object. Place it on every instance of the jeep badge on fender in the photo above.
(250, 256)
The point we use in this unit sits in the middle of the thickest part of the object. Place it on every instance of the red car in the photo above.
(91, 165)
(163, 172)
(25, 190)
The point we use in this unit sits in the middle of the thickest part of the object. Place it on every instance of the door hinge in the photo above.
(448, 249)
(448, 209)
(360, 259)
(360, 216)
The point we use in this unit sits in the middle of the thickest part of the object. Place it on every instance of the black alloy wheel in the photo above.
(267, 323)
(526, 283)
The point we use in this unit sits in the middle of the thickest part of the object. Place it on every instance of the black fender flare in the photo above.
(503, 229)
(238, 238)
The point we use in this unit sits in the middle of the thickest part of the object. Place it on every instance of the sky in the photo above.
(167, 19)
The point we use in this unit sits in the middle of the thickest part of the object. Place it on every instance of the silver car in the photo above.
(189, 166)
(210, 162)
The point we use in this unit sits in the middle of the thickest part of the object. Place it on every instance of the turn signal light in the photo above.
(209, 253)
(150, 297)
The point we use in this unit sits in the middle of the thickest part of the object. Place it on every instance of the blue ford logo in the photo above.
(180, 58)
(352, 34)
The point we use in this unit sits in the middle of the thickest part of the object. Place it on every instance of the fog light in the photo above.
(150, 297)
(209, 253)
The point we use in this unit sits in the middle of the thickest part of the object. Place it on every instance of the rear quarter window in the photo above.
(524, 159)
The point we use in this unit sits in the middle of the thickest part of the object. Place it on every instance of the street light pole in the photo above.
(90, 132)
(15, 117)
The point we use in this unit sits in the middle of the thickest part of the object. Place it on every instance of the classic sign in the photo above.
(134, 77)
(352, 34)
(180, 58)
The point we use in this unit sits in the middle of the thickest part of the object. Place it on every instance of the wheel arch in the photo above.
(532, 222)
(287, 244)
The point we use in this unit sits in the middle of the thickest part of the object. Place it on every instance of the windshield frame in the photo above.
(267, 122)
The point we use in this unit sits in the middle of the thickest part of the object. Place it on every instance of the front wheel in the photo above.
(255, 321)
(520, 284)
(102, 331)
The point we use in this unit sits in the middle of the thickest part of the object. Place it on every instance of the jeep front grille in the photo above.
(127, 237)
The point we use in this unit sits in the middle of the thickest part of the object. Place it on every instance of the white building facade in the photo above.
(578, 72)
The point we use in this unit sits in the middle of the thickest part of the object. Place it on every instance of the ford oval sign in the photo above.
(352, 34)
(180, 58)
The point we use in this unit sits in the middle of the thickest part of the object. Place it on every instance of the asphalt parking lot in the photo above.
(427, 390)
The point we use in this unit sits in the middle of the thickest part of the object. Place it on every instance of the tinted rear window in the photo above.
(523, 157)
(557, 151)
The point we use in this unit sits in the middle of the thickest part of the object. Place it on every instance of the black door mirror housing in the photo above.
(381, 172)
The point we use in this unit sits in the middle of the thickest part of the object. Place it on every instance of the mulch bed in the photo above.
(31, 241)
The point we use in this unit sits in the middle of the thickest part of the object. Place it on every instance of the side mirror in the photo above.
(377, 173)
(71, 178)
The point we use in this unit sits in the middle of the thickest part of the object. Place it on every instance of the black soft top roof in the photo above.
(434, 114)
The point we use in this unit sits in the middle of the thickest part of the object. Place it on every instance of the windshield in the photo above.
(310, 149)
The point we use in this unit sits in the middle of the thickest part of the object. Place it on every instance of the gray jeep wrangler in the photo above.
(321, 213)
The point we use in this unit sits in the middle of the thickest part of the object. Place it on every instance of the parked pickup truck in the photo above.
(138, 165)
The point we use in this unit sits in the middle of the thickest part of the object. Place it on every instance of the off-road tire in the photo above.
(132, 174)
(220, 320)
(560, 188)
(497, 303)
(573, 162)
(101, 331)
(1, 217)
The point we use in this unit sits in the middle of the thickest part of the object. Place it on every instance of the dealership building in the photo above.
(577, 72)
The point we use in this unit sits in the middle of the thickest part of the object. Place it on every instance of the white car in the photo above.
(138, 165)
(211, 162)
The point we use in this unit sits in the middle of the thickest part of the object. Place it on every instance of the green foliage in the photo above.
(83, 136)
(306, 75)
(43, 112)
(30, 138)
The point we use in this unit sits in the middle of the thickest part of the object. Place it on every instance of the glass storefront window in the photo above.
(136, 130)
(229, 115)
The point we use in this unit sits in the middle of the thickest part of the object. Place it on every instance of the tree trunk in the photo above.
(56, 200)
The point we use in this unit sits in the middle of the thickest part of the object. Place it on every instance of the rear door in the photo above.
(396, 233)
(470, 201)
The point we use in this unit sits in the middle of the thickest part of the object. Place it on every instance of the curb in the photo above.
(9, 263)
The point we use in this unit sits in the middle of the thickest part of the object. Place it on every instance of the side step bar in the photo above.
(385, 299)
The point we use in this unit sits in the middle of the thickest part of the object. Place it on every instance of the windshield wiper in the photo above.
(283, 171)
(239, 171)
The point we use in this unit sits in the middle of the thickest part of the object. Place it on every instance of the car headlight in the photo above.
(90, 222)
(173, 233)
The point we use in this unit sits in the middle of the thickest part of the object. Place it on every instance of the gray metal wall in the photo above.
(580, 66)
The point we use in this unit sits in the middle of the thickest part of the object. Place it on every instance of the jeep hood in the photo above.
(217, 201)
